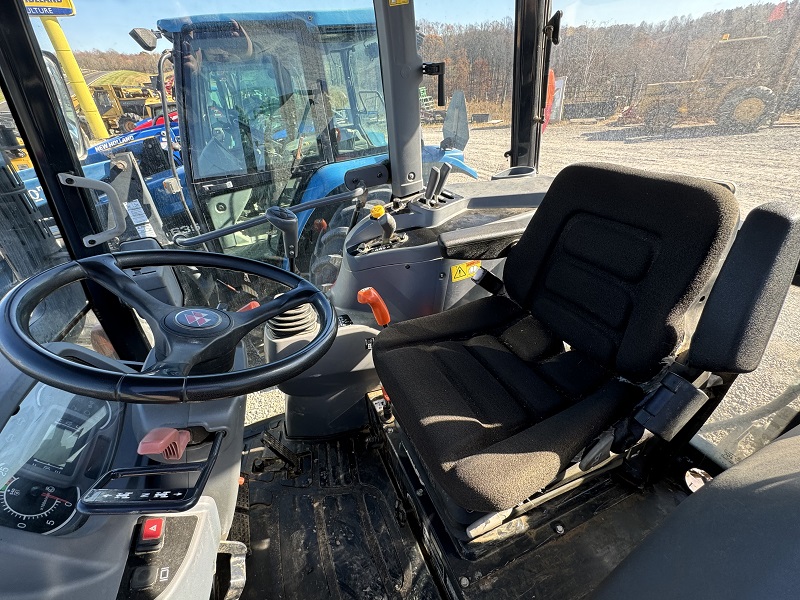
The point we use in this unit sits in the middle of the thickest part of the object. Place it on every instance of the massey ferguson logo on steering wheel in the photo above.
(197, 319)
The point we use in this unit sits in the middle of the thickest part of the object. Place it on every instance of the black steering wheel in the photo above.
(184, 336)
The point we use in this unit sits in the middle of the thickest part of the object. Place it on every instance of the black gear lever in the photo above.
(285, 221)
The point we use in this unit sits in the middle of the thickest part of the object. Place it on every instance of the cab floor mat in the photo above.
(330, 529)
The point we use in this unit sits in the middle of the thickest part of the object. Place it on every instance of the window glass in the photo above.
(30, 241)
(250, 105)
(355, 93)
(711, 94)
(477, 46)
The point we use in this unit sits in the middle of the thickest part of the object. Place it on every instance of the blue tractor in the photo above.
(274, 109)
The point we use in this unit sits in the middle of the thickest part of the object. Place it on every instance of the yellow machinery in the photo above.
(121, 107)
(729, 90)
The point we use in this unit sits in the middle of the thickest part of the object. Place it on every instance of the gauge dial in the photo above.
(37, 507)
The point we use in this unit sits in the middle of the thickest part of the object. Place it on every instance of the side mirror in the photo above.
(65, 104)
(146, 38)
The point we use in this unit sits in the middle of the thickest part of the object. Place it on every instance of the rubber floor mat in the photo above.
(332, 531)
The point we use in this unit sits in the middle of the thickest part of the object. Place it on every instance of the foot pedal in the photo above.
(286, 455)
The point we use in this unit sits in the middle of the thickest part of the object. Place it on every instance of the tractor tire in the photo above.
(127, 122)
(747, 109)
(327, 258)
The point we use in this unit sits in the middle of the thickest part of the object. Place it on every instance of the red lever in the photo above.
(370, 296)
(249, 306)
(166, 441)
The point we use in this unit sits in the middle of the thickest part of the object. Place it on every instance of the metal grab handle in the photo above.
(185, 242)
(117, 210)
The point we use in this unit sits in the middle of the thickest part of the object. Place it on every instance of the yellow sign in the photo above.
(464, 270)
(50, 8)
(397, 2)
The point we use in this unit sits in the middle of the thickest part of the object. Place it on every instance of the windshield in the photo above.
(248, 99)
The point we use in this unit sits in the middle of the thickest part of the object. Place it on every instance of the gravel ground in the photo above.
(764, 167)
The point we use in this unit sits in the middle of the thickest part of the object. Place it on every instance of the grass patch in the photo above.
(133, 78)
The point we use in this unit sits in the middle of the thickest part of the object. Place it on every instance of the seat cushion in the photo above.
(484, 401)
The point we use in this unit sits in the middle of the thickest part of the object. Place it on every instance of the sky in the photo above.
(104, 24)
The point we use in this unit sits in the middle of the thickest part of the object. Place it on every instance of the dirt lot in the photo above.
(763, 164)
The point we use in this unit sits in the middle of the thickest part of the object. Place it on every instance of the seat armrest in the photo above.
(492, 240)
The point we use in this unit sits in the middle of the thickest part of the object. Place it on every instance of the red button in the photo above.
(152, 529)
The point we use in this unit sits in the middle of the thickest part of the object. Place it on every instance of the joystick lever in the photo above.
(430, 190)
(369, 295)
(386, 221)
(285, 221)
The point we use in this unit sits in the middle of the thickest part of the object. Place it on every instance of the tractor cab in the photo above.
(293, 345)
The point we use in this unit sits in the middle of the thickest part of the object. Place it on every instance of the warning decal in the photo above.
(464, 270)
(397, 2)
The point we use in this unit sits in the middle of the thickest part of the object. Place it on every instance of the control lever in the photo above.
(370, 295)
(430, 190)
(444, 173)
(285, 221)
(386, 221)
(361, 202)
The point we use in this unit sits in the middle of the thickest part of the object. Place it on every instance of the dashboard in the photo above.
(54, 446)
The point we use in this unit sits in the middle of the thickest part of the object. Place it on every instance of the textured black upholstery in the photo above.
(492, 404)
(613, 257)
(747, 297)
(735, 539)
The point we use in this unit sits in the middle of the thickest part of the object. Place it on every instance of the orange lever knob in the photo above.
(370, 296)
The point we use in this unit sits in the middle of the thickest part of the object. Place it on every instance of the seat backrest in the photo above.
(614, 257)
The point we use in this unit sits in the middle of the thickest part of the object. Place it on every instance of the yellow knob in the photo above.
(377, 211)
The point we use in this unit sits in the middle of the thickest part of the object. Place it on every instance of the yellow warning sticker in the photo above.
(397, 2)
(464, 270)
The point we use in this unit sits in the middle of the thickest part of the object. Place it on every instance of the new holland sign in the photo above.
(50, 8)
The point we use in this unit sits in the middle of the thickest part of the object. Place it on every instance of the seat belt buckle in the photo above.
(488, 281)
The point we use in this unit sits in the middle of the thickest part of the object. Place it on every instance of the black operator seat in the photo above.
(490, 399)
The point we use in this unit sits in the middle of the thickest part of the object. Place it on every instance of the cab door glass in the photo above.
(476, 44)
(30, 240)
(711, 94)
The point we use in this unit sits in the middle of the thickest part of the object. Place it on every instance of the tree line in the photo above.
(600, 61)
(111, 60)
(603, 61)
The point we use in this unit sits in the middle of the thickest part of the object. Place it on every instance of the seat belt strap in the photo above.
(489, 281)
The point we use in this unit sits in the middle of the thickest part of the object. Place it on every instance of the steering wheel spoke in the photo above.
(178, 361)
(104, 271)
